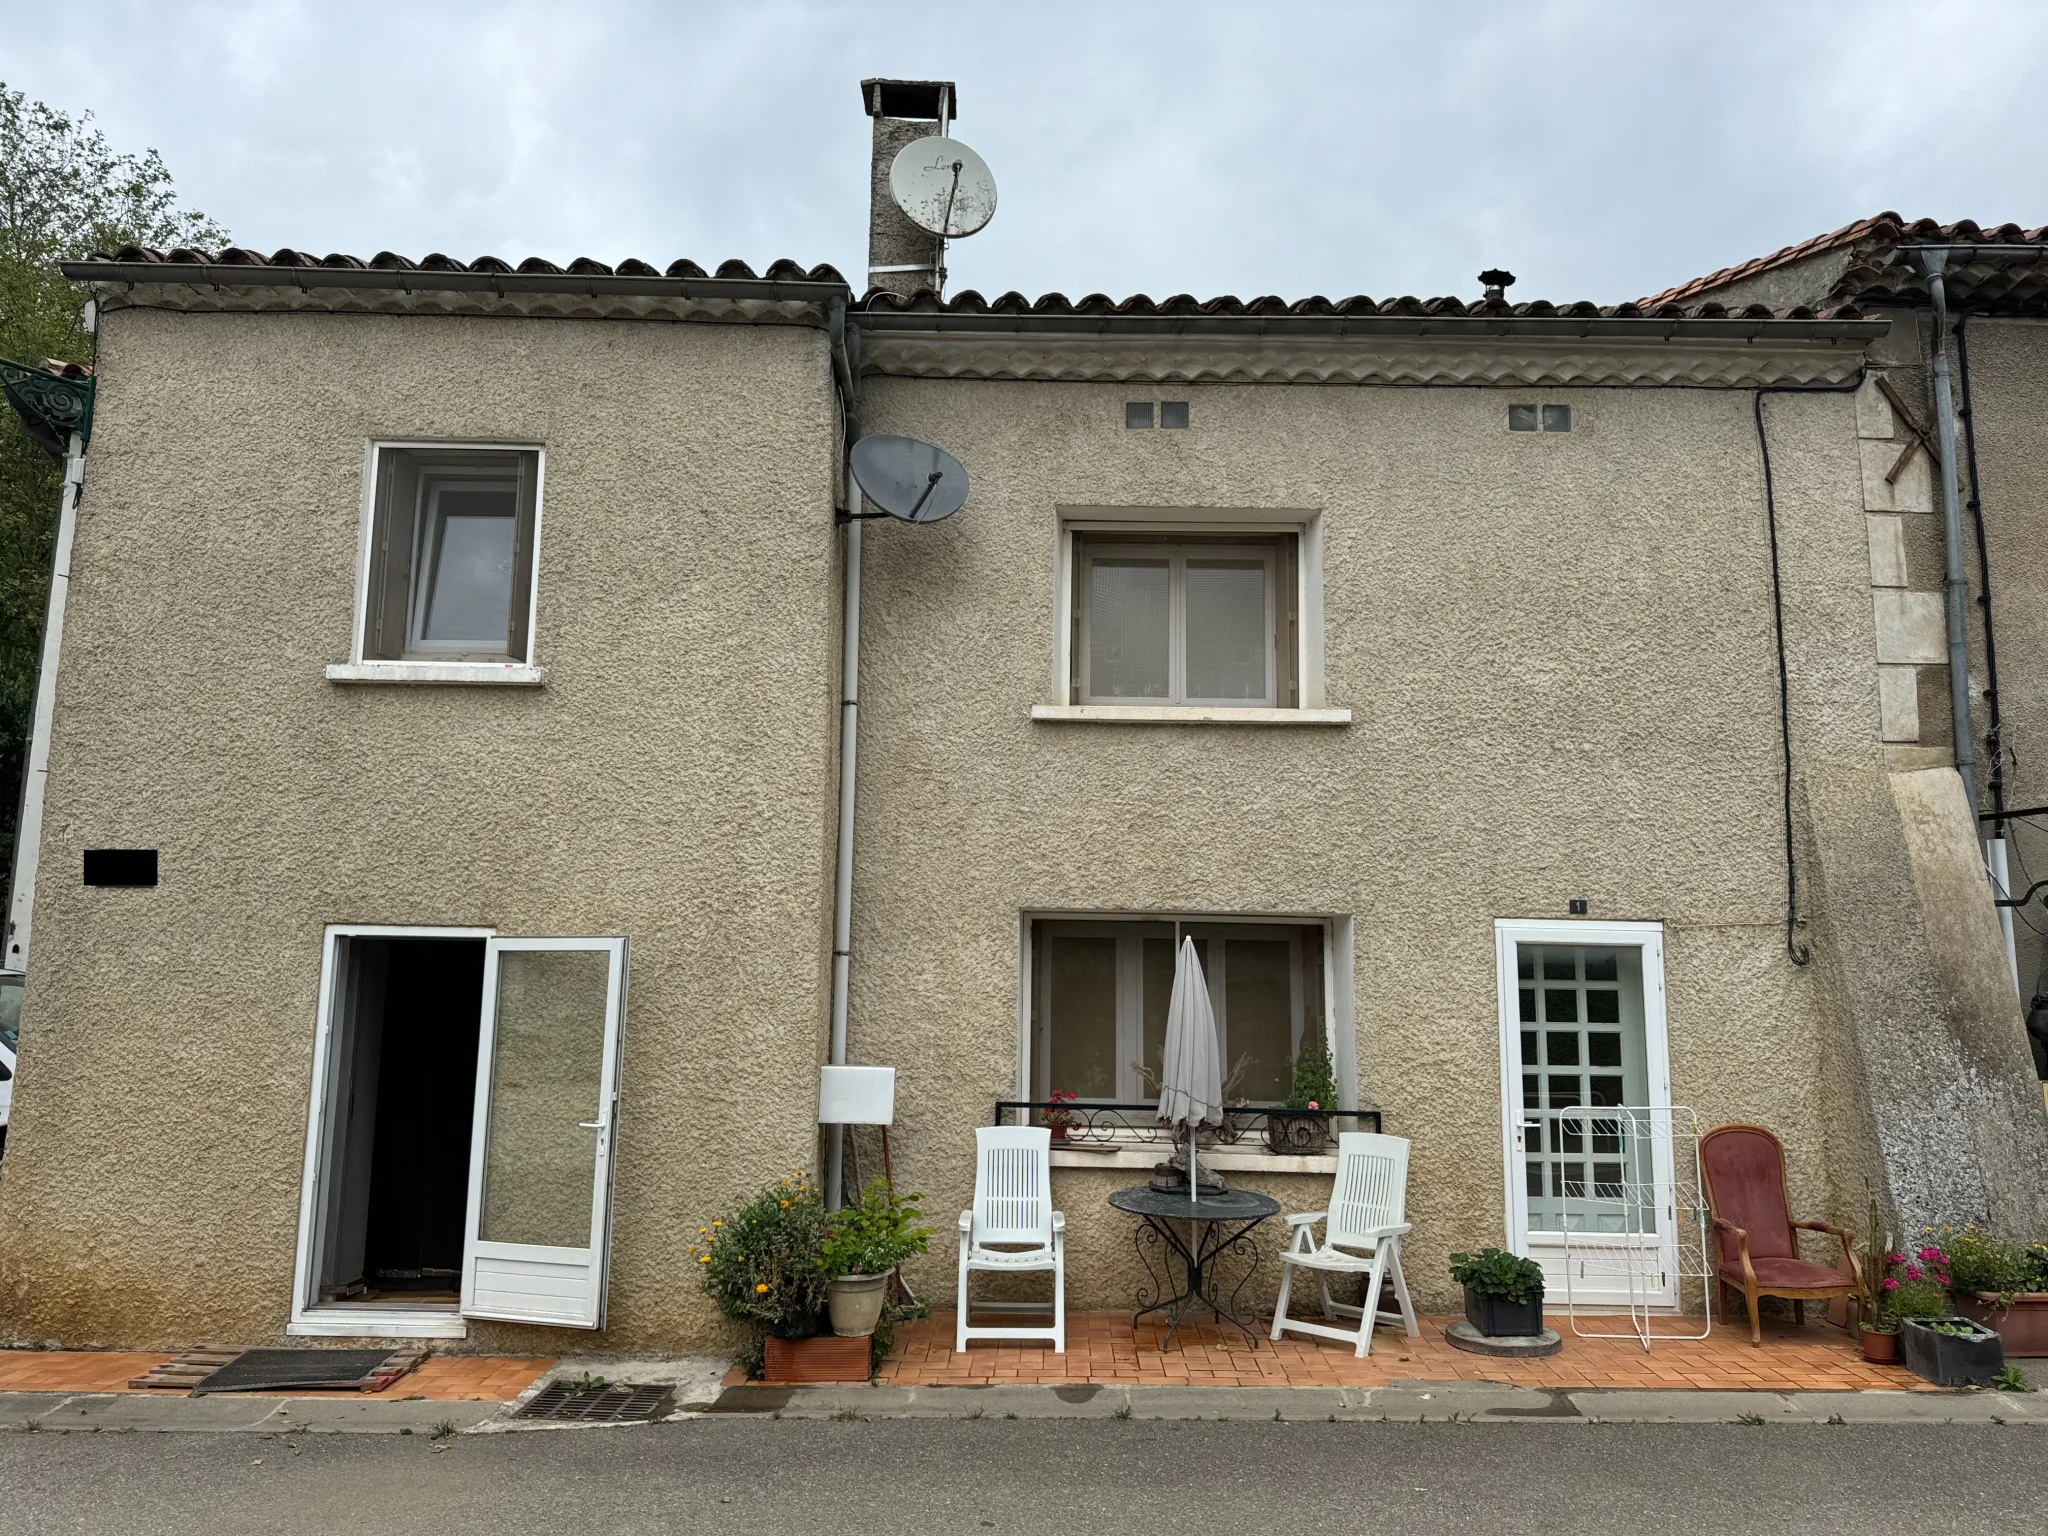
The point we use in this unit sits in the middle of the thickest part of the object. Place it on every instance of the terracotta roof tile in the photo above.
(971, 302)
(1873, 241)
(778, 271)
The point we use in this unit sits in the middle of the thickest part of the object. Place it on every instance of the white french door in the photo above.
(540, 1175)
(1589, 1193)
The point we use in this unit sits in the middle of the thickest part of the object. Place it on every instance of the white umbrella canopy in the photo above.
(1191, 1068)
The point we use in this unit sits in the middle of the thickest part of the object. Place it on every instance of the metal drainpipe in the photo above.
(1935, 260)
(846, 342)
(28, 827)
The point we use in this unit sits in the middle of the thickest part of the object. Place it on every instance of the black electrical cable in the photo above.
(1994, 738)
(1800, 953)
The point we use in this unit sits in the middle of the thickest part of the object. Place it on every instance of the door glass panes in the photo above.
(1226, 623)
(547, 1067)
(1581, 1015)
(465, 565)
(1130, 626)
(1082, 987)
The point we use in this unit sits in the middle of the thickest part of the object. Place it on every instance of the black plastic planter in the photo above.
(1971, 1359)
(1499, 1318)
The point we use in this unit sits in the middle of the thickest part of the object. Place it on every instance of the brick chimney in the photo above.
(901, 257)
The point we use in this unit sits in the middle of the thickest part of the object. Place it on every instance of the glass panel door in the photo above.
(1581, 1014)
(540, 1178)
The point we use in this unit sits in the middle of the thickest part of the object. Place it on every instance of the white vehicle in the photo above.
(10, 1030)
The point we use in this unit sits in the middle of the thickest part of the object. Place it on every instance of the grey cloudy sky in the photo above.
(1599, 150)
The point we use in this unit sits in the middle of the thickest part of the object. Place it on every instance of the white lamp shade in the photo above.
(856, 1095)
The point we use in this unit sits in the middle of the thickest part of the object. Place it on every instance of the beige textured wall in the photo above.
(672, 782)
(2009, 387)
(1558, 654)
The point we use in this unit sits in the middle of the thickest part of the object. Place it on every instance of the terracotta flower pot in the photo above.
(1880, 1348)
(2023, 1326)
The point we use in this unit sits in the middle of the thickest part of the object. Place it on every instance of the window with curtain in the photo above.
(1184, 619)
(1100, 995)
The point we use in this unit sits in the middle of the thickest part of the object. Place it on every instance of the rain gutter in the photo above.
(1934, 260)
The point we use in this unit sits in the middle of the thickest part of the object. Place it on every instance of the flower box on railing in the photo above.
(1079, 1124)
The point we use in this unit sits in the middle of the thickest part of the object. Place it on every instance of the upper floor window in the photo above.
(451, 554)
(1185, 618)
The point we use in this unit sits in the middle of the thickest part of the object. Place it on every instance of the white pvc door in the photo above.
(1582, 1031)
(540, 1172)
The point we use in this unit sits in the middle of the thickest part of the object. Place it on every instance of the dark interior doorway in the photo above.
(405, 1052)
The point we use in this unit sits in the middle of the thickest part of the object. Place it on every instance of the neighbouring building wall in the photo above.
(1558, 652)
(2009, 391)
(671, 782)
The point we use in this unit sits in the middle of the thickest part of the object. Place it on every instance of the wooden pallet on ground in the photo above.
(182, 1372)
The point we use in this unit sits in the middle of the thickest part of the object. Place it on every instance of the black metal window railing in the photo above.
(1288, 1132)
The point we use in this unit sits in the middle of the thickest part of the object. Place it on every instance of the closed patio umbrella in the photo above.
(1191, 1068)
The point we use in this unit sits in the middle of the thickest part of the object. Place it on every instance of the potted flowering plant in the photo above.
(1314, 1088)
(1057, 1116)
(763, 1264)
(864, 1242)
(1898, 1288)
(2003, 1285)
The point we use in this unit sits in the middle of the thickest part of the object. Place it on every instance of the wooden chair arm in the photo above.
(1821, 1226)
(1847, 1241)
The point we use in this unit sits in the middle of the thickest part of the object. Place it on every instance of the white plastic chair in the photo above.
(1013, 1228)
(1362, 1232)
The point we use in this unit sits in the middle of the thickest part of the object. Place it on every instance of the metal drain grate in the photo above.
(620, 1404)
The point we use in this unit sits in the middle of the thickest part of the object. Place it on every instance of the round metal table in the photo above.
(1218, 1225)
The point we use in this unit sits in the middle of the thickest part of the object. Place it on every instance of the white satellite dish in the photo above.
(943, 186)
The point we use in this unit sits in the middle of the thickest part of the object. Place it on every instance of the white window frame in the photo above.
(1176, 557)
(311, 1317)
(1306, 524)
(1648, 937)
(1338, 1009)
(424, 572)
(524, 672)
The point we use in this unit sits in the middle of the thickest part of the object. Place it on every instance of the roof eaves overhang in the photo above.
(1449, 327)
(152, 274)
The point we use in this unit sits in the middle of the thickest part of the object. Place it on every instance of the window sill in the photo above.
(1187, 714)
(494, 674)
(1223, 1160)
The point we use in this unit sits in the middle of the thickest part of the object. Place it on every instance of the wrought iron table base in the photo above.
(1200, 1283)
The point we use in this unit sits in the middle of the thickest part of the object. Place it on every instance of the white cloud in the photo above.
(1598, 150)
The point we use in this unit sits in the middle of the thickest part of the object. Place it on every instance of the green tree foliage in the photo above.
(64, 193)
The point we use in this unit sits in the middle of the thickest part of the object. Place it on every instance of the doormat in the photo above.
(328, 1370)
(622, 1403)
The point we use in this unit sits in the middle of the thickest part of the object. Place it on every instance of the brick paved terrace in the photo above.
(1102, 1347)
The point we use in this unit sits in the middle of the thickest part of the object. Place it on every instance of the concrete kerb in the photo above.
(1404, 1402)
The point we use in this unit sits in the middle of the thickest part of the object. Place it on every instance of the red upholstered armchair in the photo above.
(1744, 1168)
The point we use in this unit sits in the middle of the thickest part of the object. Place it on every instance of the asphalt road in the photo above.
(879, 1477)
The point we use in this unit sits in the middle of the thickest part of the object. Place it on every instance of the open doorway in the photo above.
(389, 1198)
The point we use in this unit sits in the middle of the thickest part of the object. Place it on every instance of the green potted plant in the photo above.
(1503, 1292)
(2003, 1285)
(1314, 1088)
(1877, 1321)
(864, 1242)
(763, 1264)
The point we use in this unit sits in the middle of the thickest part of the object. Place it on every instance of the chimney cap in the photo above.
(909, 98)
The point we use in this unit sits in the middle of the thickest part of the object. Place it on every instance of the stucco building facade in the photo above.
(1419, 658)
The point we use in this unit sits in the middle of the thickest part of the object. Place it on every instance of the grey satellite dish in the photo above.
(908, 479)
(943, 186)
